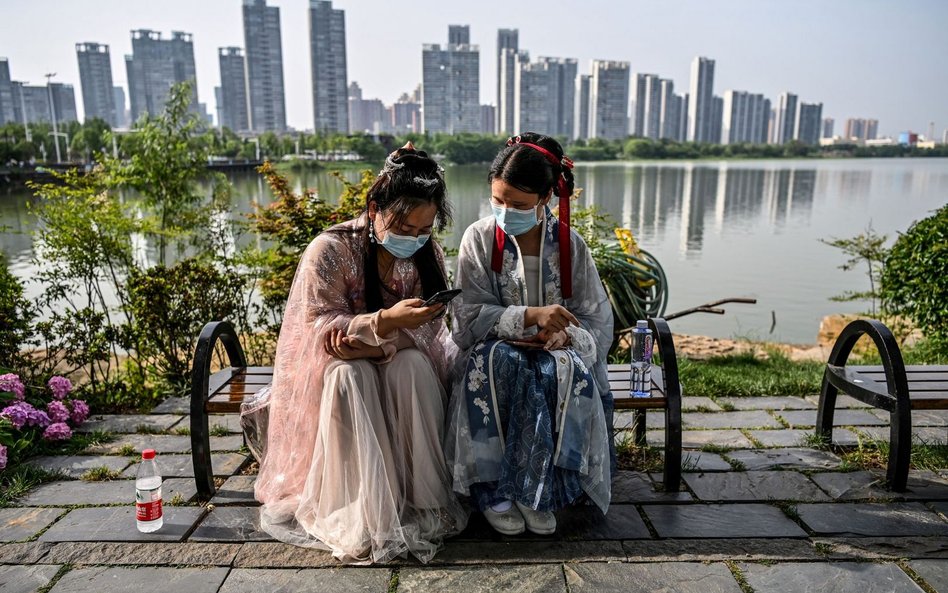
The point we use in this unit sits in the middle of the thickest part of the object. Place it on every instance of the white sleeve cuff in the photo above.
(510, 324)
(582, 343)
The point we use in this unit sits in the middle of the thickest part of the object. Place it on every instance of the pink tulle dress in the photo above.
(351, 455)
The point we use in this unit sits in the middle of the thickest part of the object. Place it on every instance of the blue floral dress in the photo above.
(525, 424)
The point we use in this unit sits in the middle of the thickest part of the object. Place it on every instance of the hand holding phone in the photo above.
(443, 297)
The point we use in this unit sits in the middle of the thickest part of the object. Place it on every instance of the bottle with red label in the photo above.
(148, 494)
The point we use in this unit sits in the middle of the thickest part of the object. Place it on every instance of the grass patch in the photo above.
(218, 430)
(712, 448)
(743, 375)
(127, 450)
(393, 581)
(871, 454)
(100, 474)
(145, 429)
(815, 441)
(183, 431)
(630, 456)
(176, 500)
(738, 575)
(17, 480)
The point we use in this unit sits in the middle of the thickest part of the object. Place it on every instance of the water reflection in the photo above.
(748, 228)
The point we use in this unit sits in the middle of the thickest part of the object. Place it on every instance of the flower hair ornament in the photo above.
(426, 181)
(562, 190)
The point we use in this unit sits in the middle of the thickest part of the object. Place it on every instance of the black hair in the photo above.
(409, 179)
(528, 169)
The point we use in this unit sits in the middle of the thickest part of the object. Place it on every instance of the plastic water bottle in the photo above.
(641, 360)
(148, 512)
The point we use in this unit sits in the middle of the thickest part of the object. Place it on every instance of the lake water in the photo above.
(720, 229)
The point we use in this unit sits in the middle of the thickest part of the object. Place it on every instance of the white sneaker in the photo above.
(538, 522)
(509, 522)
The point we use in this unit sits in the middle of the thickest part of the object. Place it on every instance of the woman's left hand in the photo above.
(554, 340)
(341, 346)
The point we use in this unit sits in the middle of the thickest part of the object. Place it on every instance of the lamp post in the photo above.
(52, 112)
(26, 120)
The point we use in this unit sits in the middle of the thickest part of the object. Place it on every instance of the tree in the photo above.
(165, 166)
(869, 248)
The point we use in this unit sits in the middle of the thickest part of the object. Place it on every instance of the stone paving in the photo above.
(759, 511)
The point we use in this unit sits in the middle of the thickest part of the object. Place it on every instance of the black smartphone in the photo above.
(444, 297)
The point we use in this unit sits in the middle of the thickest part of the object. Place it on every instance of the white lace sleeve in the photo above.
(510, 323)
(583, 343)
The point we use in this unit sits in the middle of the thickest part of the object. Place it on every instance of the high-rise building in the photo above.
(121, 112)
(809, 117)
(684, 122)
(232, 106)
(488, 119)
(450, 88)
(95, 76)
(64, 102)
(155, 66)
(327, 36)
(581, 124)
(609, 100)
(365, 115)
(507, 39)
(405, 115)
(827, 131)
(545, 96)
(745, 118)
(7, 109)
(647, 113)
(717, 117)
(459, 34)
(509, 61)
(32, 103)
(670, 111)
(701, 100)
(861, 129)
(562, 94)
(786, 117)
(264, 67)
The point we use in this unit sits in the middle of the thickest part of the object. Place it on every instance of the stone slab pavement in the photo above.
(760, 510)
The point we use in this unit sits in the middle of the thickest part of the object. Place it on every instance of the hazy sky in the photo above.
(861, 58)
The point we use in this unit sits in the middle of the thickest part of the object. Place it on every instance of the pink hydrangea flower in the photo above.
(60, 386)
(12, 384)
(36, 417)
(80, 411)
(58, 431)
(18, 414)
(3, 457)
(57, 411)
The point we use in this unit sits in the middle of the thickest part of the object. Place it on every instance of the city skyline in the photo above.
(847, 62)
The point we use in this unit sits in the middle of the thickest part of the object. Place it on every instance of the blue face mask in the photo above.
(515, 222)
(401, 246)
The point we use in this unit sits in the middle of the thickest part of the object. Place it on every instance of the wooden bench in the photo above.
(893, 387)
(223, 391)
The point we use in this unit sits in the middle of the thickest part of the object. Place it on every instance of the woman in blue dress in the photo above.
(529, 421)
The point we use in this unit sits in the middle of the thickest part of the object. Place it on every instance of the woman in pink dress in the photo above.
(354, 418)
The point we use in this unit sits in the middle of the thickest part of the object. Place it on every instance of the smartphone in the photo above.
(444, 297)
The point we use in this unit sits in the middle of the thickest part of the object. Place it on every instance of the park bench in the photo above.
(893, 387)
(223, 391)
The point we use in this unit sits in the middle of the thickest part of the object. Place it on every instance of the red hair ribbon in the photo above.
(562, 190)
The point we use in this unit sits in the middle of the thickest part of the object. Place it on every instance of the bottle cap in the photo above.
(148, 454)
(641, 323)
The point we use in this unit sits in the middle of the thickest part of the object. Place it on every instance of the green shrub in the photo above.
(915, 277)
